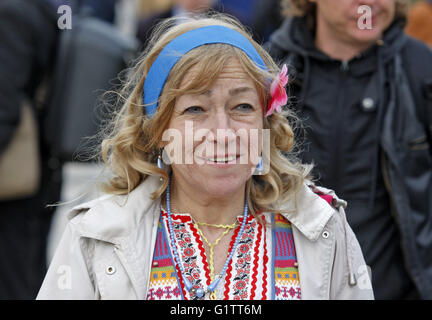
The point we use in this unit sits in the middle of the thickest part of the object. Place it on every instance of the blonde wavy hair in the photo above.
(132, 140)
(306, 8)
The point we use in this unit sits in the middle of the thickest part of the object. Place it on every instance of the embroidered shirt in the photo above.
(264, 265)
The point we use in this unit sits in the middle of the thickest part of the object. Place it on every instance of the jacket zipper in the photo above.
(337, 132)
(344, 66)
(394, 214)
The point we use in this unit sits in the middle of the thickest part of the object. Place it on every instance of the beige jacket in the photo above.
(107, 248)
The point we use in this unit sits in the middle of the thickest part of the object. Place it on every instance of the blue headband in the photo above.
(174, 50)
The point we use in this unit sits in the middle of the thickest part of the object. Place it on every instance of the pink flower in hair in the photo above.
(278, 94)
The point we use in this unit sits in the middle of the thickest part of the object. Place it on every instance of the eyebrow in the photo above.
(231, 92)
(235, 91)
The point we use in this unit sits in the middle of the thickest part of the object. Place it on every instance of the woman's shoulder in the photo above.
(311, 209)
(325, 241)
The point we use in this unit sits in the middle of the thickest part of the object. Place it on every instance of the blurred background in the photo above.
(56, 69)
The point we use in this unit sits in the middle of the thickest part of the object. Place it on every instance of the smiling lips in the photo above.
(221, 160)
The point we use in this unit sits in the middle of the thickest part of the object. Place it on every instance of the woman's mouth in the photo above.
(223, 159)
(219, 161)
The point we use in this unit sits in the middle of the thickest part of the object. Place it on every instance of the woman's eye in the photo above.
(193, 109)
(244, 107)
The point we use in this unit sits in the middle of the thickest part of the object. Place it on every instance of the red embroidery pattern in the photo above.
(264, 294)
(228, 272)
(202, 253)
(248, 273)
(256, 262)
(184, 230)
(242, 273)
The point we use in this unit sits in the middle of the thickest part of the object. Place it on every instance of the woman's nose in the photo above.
(220, 120)
(222, 127)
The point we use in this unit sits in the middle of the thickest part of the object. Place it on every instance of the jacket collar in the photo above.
(307, 211)
(112, 218)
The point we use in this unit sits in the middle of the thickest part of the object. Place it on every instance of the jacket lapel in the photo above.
(130, 224)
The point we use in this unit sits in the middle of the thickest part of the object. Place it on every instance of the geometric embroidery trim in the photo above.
(286, 275)
(163, 277)
(246, 276)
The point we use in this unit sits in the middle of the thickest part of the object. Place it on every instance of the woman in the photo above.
(216, 222)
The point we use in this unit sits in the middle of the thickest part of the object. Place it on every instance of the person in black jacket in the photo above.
(365, 95)
(28, 36)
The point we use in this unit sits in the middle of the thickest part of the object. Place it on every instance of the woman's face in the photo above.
(219, 127)
(342, 17)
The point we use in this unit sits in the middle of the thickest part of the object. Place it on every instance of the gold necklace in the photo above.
(220, 226)
(212, 245)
